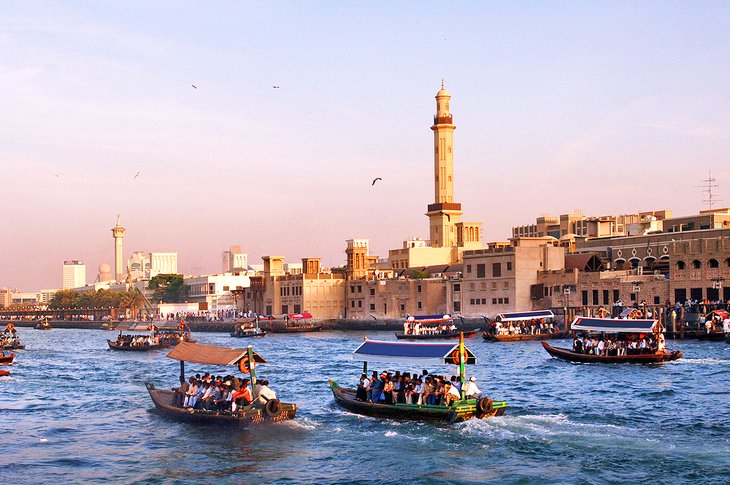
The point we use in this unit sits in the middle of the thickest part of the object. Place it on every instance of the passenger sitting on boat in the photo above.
(387, 395)
(428, 395)
(397, 383)
(242, 397)
(189, 401)
(213, 398)
(223, 401)
(578, 345)
(265, 394)
(416, 391)
(439, 392)
(456, 383)
(376, 387)
(471, 390)
(362, 388)
(451, 394)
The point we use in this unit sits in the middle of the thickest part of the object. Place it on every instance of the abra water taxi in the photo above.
(297, 323)
(519, 326)
(134, 342)
(6, 359)
(422, 354)
(170, 335)
(9, 339)
(169, 403)
(431, 327)
(43, 324)
(247, 328)
(613, 341)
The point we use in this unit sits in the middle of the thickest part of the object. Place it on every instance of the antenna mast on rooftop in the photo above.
(707, 185)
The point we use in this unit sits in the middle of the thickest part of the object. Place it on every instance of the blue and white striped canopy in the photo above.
(427, 353)
(613, 325)
(521, 316)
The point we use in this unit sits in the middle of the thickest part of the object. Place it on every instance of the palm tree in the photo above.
(134, 300)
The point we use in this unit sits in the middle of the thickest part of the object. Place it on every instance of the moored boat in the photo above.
(621, 330)
(297, 323)
(169, 403)
(424, 353)
(521, 326)
(432, 327)
(43, 325)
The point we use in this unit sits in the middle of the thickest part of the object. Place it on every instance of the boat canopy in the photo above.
(521, 316)
(614, 325)
(429, 319)
(300, 316)
(427, 353)
(210, 354)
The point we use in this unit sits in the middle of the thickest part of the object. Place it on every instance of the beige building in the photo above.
(234, 260)
(118, 234)
(593, 226)
(449, 236)
(314, 290)
(499, 278)
(707, 219)
(74, 274)
(6, 297)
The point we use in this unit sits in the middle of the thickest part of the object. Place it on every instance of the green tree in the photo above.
(65, 299)
(134, 300)
(419, 274)
(168, 288)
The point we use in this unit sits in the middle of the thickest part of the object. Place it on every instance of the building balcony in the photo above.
(443, 120)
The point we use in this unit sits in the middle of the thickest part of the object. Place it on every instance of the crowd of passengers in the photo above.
(407, 388)
(137, 340)
(615, 346)
(223, 394)
(9, 338)
(533, 327)
(415, 328)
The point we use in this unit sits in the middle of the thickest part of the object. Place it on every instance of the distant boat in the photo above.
(43, 325)
(432, 327)
(523, 321)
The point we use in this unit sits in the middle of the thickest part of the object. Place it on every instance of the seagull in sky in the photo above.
(275, 87)
(136, 175)
(57, 176)
(375, 180)
(194, 86)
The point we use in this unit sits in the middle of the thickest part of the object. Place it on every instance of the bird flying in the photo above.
(57, 176)
(194, 86)
(375, 180)
(136, 175)
(275, 87)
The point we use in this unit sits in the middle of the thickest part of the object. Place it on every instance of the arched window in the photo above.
(680, 265)
(727, 262)
(713, 263)
(696, 264)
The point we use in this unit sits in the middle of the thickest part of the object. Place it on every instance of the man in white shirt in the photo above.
(265, 394)
(450, 394)
(471, 389)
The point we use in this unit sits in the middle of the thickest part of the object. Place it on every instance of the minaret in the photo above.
(444, 213)
(118, 233)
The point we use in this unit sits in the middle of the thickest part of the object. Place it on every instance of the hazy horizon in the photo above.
(609, 109)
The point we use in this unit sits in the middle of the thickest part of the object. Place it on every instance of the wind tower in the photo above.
(118, 233)
(444, 213)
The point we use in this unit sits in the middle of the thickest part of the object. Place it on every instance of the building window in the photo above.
(509, 265)
(297, 309)
(418, 305)
(506, 285)
(471, 301)
(494, 301)
(494, 285)
(680, 265)
(402, 308)
(468, 268)
(506, 301)
(605, 297)
(615, 295)
(595, 297)
(372, 291)
(713, 263)
(657, 300)
(457, 287)
(484, 301)
(584, 297)
(696, 264)
(372, 307)
(359, 303)
(418, 288)
(727, 262)
(481, 270)
(352, 303)
(352, 289)
(500, 300)
(359, 289)
(284, 308)
(228, 288)
(457, 306)
(496, 270)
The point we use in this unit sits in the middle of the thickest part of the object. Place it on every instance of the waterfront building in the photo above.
(44, 295)
(162, 263)
(24, 298)
(316, 290)
(138, 265)
(74, 274)
(593, 226)
(449, 236)
(706, 219)
(118, 235)
(217, 292)
(234, 260)
(6, 297)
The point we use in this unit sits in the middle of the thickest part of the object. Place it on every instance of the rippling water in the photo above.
(73, 411)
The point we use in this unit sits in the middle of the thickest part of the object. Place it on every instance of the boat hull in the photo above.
(712, 336)
(43, 327)
(524, 337)
(4, 373)
(14, 347)
(129, 348)
(570, 356)
(249, 335)
(297, 329)
(7, 359)
(345, 398)
(255, 414)
(443, 336)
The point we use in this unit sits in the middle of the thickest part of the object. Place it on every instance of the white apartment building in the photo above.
(74, 274)
(162, 263)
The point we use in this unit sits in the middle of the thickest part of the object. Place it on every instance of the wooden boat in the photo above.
(622, 328)
(430, 353)
(116, 345)
(714, 336)
(14, 345)
(7, 359)
(9, 339)
(245, 329)
(296, 328)
(522, 319)
(168, 403)
(432, 327)
(439, 336)
(4, 373)
(43, 325)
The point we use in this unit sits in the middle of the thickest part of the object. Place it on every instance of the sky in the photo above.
(602, 107)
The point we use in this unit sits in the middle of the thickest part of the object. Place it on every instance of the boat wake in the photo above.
(708, 360)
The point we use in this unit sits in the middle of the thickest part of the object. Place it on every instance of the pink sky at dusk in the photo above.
(559, 106)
